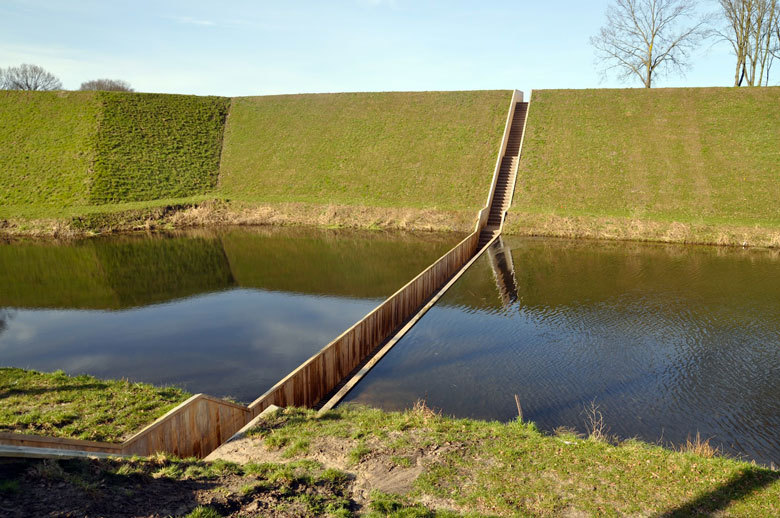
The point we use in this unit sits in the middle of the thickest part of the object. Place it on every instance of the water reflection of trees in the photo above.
(134, 271)
(5, 316)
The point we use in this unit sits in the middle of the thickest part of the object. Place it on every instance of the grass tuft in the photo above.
(699, 447)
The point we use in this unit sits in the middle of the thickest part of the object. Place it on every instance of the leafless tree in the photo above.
(752, 27)
(645, 38)
(109, 85)
(29, 77)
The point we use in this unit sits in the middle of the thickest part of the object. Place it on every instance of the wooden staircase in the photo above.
(505, 184)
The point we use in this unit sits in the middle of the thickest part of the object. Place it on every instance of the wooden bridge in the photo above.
(200, 424)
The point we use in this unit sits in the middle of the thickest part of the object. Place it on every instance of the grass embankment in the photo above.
(420, 150)
(153, 146)
(79, 155)
(679, 165)
(79, 407)
(46, 150)
(414, 463)
(391, 160)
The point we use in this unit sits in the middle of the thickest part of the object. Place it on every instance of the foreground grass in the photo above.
(696, 162)
(512, 468)
(79, 407)
(341, 464)
(167, 486)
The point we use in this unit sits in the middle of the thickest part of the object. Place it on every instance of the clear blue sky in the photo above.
(245, 47)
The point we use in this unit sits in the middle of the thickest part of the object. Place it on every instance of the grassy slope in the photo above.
(66, 154)
(422, 150)
(700, 156)
(154, 146)
(46, 148)
(79, 407)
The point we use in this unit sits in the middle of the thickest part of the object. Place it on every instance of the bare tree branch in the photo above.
(751, 27)
(642, 39)
(29, 77)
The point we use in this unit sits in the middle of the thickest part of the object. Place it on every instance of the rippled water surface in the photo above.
(228, 313)
(668, 341)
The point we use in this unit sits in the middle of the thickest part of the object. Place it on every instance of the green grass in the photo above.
(96, 162)
(67, 154)
(699, 156)
(477, 468)
(512, 468)
(433, 150)
(153, 146)
(79, 407)
(46, 147)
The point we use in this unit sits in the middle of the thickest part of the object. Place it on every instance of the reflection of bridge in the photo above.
(200, 424)
(500, 258)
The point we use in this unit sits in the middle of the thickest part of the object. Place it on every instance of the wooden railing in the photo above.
(322, 373)
(193, 429)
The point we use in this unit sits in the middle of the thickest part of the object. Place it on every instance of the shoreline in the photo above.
(218, 213)
(221, 213)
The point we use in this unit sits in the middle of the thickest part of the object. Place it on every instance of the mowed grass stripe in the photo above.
(690, 155)
(152, 146)
(431, 150)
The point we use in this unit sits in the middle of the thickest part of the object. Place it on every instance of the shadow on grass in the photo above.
(93, 488)
(739, 487)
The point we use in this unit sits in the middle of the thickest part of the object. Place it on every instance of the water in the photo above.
(228, 312)
(668, 341)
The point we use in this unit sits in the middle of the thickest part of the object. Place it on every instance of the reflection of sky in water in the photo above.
(666, 342)
(235, 343)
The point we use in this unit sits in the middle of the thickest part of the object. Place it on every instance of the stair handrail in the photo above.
(517, 97)
(519, 156)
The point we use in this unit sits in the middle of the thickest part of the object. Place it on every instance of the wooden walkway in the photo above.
(202, 423)
(507, 174)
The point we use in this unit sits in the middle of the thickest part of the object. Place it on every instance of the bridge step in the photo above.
(504, 188)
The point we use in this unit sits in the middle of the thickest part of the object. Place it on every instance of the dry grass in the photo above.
(595, 424)
(699, 447)
(631, 229)
(217, 213)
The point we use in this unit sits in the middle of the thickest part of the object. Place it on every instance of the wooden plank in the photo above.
(60, 443)
(51, 453)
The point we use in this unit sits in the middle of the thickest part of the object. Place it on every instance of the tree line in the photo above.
(642, 39)
(34, 77)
